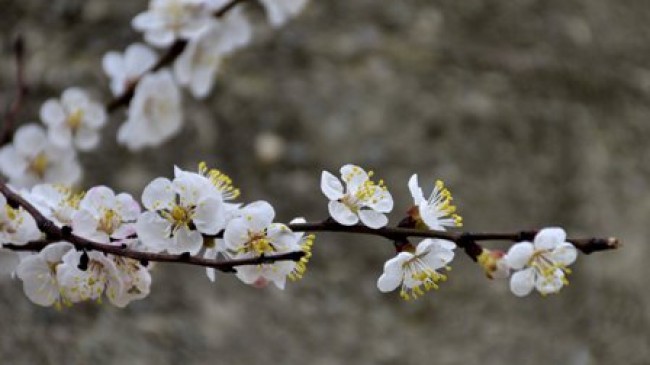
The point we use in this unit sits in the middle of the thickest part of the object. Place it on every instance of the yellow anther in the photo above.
(39, 165)
(221, 181)
(75, 118)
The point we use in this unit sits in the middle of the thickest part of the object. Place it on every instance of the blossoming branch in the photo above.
(76, 245)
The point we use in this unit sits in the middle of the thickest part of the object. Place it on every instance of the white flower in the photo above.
(179, 212)
(254, 234)
(16, 225)
(437, 212)
(124, 69)
(135, 281)
(32, 159)
(199, 63)
(86, 278)
(168, 20)
(279, 11)
(414, 269)
(154, 114)
(38, 273)
(56, 202)
(541, 264)
(362, 198)
(105, 217)
(74, 120)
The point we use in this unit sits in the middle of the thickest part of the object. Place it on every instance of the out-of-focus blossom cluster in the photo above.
(47, 153)
(155, 113)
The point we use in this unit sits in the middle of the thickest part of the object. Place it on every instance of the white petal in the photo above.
(353, 176)
(393, 273)
(113, 64)
(236, 233)
(283, 239)
(549, 238)
(153, 231)
(372, 218)
(260, 215)
(158, 194)
(331, 186)
(86, 139)
(519, 254)
(186, 240)
(52, 113)
(342, 214)
(564, 254)
(522, 282)
(416, 191)
(209, 216)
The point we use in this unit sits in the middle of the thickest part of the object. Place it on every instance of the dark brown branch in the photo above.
(11, 115)
(586, 245)
(55, 234)
(166, 59)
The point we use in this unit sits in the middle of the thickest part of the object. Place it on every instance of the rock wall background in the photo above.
(534, 112)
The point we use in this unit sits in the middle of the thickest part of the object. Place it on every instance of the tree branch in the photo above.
(54, 233)
(11, 115)
(166, 59)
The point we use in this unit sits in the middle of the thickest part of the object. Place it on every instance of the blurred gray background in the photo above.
(534, 112)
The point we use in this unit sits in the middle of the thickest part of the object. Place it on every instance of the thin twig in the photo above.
(174, 51)
(11, 115)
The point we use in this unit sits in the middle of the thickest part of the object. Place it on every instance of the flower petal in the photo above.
(519, 254)
(331, 186)
(549, 238)
(158, 194)
(342, 214)
(522, 282)
(416, 191)
(372, 218)
(564, 254)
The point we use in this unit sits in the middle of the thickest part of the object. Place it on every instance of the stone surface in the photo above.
(534, 112)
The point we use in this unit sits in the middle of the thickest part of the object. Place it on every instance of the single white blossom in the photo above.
(134, 278)
(168, 20)
(38, 274)
(437, 212)
(85, 276)
(179, 212)
(105, 217)
(254, 234)
(32, 159)
(541, 264)
(56, 202)
(199, 63)
(415, 269)
(279, 11)
(362, 199)
(73, 120)
(125, 69)
(16, 225)
(154, 114)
